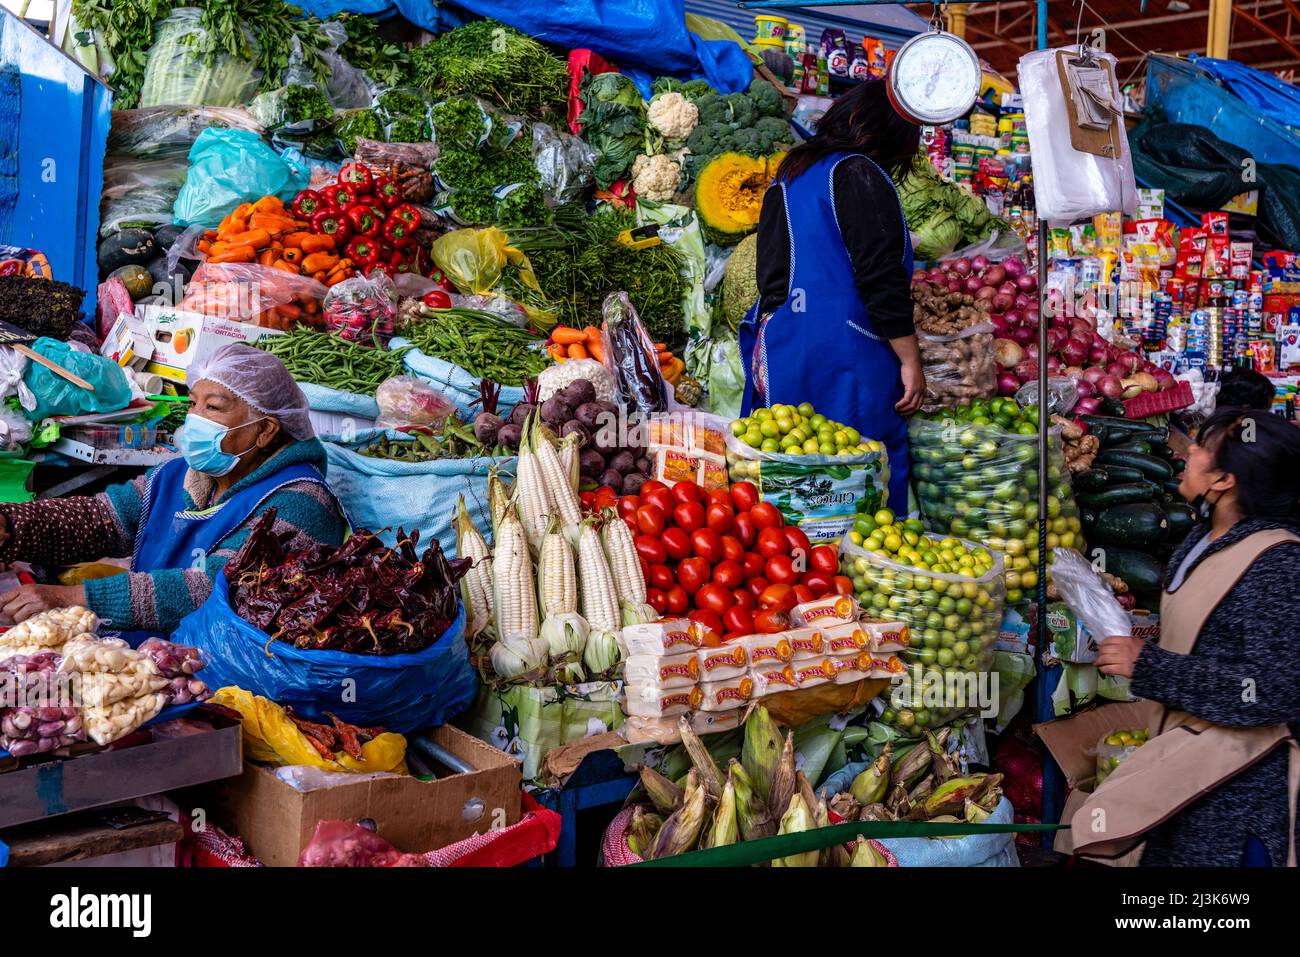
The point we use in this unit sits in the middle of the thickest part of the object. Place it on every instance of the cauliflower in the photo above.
(655, 177)
(673, 115)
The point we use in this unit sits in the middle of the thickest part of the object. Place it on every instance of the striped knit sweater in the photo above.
(57, 532)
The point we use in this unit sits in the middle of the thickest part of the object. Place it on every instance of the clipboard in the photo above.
(20, 341)
(1097, 142)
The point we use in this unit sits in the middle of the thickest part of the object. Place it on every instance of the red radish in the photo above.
(1008, 353)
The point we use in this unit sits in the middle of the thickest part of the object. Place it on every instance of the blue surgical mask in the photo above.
(199, 440)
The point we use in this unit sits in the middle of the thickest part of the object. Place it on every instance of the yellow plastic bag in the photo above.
(474, 258)
(270, 737)
(90, 571)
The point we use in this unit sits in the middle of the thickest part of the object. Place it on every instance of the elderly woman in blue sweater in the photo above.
(247, 445)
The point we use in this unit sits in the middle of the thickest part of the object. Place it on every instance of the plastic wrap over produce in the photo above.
(1070, 185)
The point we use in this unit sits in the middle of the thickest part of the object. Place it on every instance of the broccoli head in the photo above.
(714, 108)
(694, 89)
(691, 89)
(778, 131)
(742, 109)
(766, 98)
(747, 140)
(703, 140)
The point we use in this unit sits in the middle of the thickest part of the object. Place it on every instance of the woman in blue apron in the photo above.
(833, 324)
(247, 445)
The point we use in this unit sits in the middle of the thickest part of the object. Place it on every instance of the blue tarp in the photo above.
(1263, 91)
(649, 34)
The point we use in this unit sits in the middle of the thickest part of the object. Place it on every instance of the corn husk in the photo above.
(797, 819)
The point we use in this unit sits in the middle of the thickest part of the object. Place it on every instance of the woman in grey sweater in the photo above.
(1243, 476)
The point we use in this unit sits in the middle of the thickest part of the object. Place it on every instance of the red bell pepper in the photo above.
(436, 299)
(308, 203)
(388, 191)
(364, 220)
(408, 214)
(332, 222)
(437, 276)
(363, 251)
(357, 176)
(340, 196)
(397, 233)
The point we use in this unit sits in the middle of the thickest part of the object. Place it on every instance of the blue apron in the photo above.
(820, 346)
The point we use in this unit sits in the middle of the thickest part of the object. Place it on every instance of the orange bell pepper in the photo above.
(319, 262)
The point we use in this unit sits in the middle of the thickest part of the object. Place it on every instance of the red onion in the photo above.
(1056, 339)
(920, 276)
(1098, 342)
(1073, 372)
(1110, 386)
(1002, 301)
(1016, 317)
(1117, 369)
(1082, 328)
(1008, 287)
(1166, 380)
(954, 285)
(1031, 351)
(985, 292)
(999, 323)
(1053, 365)
(1082, 385)
(1023, 335)
(1093, 375)
(1087, 405)
(995, 275)
(979, 263)
(973, 284)
(1014, 266)
(937, 275)
(1096, 356)
(1022, 300)
(1073, 352)
(1027, 371)
(1008, 384)
(1026, 283)
(962, 266)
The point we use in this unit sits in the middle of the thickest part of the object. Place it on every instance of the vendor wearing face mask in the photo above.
(247, 445)
(1217, 783)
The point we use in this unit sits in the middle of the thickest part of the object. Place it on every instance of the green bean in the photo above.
(334, 362)
(479, 342)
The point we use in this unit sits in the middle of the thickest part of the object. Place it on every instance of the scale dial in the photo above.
(934, 78)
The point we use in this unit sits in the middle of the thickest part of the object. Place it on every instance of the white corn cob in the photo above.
(498, 501)
(557, 580)
(599, 600)
(514, 600)
(623, 562)
(561, 499)
(476, 585)
(531, 496)
(569, 459)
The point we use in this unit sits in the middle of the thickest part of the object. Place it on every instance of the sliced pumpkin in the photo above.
(729, 194)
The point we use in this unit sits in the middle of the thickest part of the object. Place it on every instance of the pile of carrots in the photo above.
(566, 343)
(265, 233)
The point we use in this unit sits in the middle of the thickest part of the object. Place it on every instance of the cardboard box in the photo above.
(128, 343)
(181, 338)
(277, 821)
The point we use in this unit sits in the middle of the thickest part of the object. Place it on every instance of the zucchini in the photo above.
(1115, 422)
(1181, 519)
(1154, 437)
(1116, 495)
(1112, 407)
(1171, 486)
(1139, 525)
(1140, 572)
(1148, 465)
(1091, 480)
(1133, 445)
(1088, 518)
(1178, 465)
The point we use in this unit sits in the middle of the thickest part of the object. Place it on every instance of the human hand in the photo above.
(913, 388)
(21, 603)
(1118, 655)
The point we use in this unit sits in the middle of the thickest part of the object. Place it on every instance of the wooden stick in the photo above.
(53, 367)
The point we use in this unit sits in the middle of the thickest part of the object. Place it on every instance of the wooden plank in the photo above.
(32, 846)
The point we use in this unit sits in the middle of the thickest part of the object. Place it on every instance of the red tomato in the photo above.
(754, 563)
(713, 597)
(717, 496)
(742, 526)
(777, 598)
(732, 550)
(766, 515)
(650, 520)
(693, 574)
(707, 544)
(780, 569)
(744, 495)
(745, 600)
(756, 586)
(677, 600)
(803, 593)
(771, 542)
(818, 582)
(738, 620)
(628, 504)
(719, 517)
(826, 559)
(843, 585)
(660, 498)
(711, 622)
(651, 549)
(676, 543)
(729, 574)
(656, 599)
(800, 547)
(686, 491)
(587, 500)
(689, 515)
(769, 622)
(653, 485)
(661, 577)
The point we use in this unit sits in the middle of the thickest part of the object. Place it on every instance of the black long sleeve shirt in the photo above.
(871, 227)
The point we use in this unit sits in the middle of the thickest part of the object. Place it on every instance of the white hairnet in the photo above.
(261, 380)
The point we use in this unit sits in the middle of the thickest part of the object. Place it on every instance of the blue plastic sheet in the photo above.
(1262, 91)
(402, 693)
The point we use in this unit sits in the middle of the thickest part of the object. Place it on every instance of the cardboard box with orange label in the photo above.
(181, 338)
